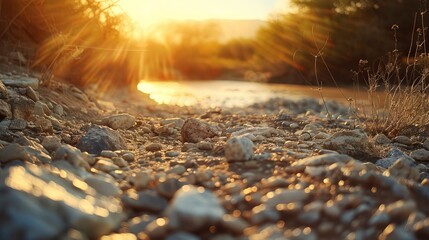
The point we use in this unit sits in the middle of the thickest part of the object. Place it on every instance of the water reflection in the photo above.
(223, 93)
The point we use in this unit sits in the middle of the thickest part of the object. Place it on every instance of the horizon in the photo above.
(149, 14)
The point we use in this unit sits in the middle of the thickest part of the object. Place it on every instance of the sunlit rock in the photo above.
(238, 149)
(42, 202)
(119, 121)
(194, 131)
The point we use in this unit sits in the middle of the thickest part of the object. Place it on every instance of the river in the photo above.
(226, 93)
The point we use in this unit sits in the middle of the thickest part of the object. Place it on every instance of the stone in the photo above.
(31, 94)
(105, 165)
(51, 143)
(129, 157)
(178, 169)
(315, 171)
(45, 125)
(138, 224)
(119, 121)
(168, 187)
(146, 200)
(99, 138)
(284, 196)
(22, 107)
(381, 139)
(254, 132)
(194, 131)
(420, 155)
(18, 124)
(141, 180)
(262, 214)
(177, 122)
(404, 168)
(194, 208)
(324, 159)
(351, 142)
(59, 110)
(393, 232)
(40, 202)
(426, 144)
(120, 162)
(154, 147)
(234, 224)
(72, 155)
(5, 111)
(392, 156)
(3, 91)
(21, 82)
(401, 209)
(402, 140)
(182, 236)
(108, 154)
(205, 146)
(238, 149)
(103, 185)
(14, 152)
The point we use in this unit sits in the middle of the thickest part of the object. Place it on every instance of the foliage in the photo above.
(343, 31)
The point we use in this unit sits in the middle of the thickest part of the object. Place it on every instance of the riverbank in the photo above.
(77, 164)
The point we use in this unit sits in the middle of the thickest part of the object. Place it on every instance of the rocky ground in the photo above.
(79, 165)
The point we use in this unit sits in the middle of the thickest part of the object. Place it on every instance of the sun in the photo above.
(150, 13)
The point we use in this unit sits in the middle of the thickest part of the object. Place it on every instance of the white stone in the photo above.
(348, 142)
(238, 149)
(404, 167)
(193, 208)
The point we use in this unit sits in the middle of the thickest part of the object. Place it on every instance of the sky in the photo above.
(151, 12)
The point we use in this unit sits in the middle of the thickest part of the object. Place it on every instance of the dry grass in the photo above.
(398, 90)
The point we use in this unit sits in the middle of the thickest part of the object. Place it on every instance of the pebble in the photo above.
(105, 165)
(13, 152)
(178, 169)
(18, 124)
(141, 180)
(172, 153)
(146, 200)
(426, 144)
(3, 91)
(104, 186)
(392, 156)
(51, 143)
(351, 142)
(108, 154)
(42, 202)
(99, 138)
(402, 140)
(284, 196)
(32, 94)
(120, 162)
(194, 131)
(72, 155)
(59, 110)
(401, 209)
(238, 149)
(392, 232)
(420, 155)
(119, 121)
(168, 187)
(193, 208)
(154, 147)
(129, 157)
(404, 168)
(381, 139)
(22, 107)
(5, 111)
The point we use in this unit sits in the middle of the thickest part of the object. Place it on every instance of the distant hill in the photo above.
(231, 28)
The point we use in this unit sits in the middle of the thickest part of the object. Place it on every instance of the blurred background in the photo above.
(121, 43)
